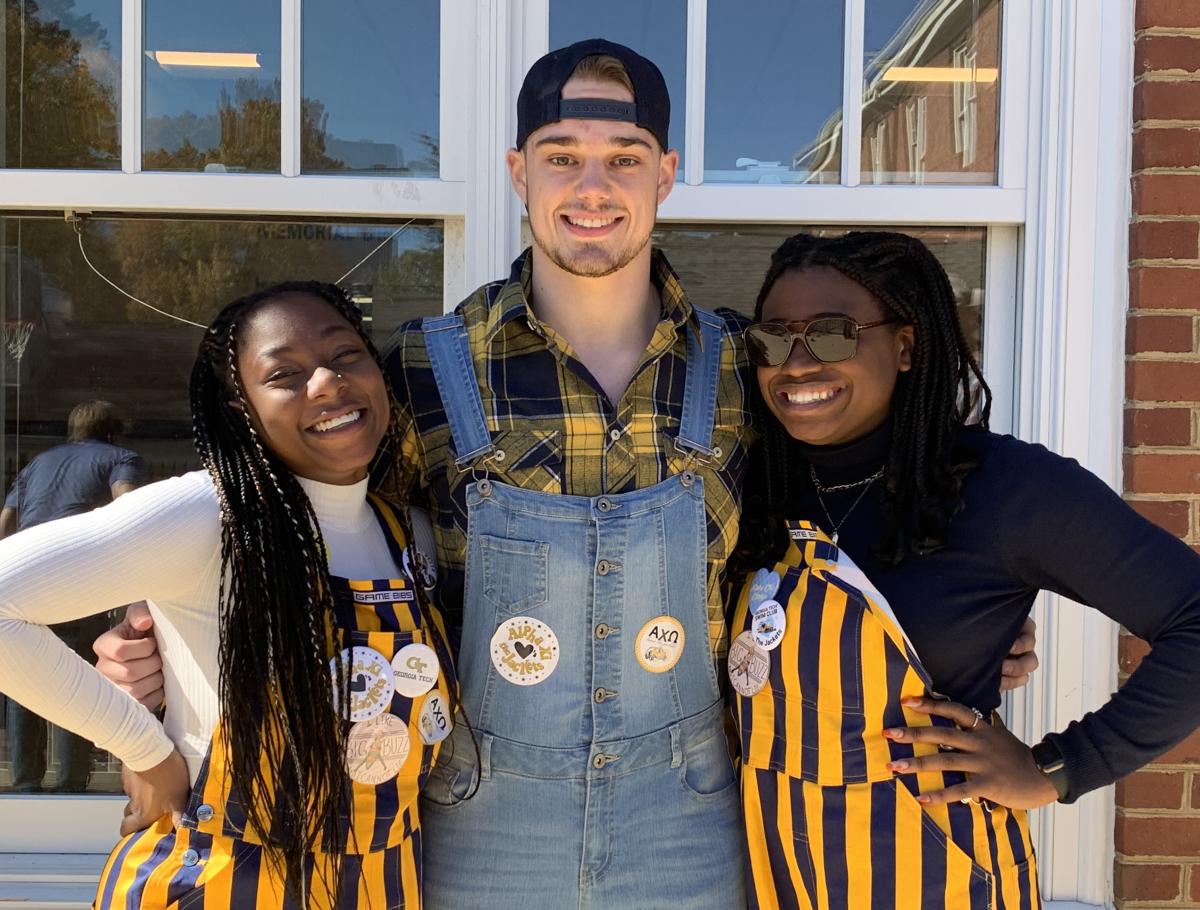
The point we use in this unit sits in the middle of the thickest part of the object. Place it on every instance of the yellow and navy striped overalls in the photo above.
(828, 825)
(214, 861)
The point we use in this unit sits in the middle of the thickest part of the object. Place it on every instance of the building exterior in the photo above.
(185, 153)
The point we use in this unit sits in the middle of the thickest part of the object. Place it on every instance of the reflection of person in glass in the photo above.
(885, 527)
(262, 570)
(88, 471)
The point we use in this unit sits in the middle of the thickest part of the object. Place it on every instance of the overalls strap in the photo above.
(700, 384)
(454, 371)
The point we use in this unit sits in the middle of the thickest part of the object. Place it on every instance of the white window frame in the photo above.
(1056, 258)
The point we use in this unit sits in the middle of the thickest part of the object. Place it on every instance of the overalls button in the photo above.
(603, 630)
(603, 504)
(204, 813)
(190, 857)
(687, 478)
(602, 694)
(484, 487)
(603, 567)
(599, 761)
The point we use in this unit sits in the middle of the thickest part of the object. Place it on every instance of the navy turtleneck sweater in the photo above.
(1033, 520)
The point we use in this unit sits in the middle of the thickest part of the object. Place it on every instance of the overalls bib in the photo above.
(604, 777)
(828, 825)
(214, 861)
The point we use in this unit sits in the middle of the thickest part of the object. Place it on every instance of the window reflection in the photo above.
(931, 91)
(211, 86)
(724, 265)
(657, 30)
(62, 84)
(773, 92)
(68, 337)
(381, 114)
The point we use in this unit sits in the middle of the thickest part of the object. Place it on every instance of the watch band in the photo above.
(1050, 762)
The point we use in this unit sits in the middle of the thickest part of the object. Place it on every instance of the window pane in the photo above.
(381, 114)
(773, 94)
(931, 96)
(723, 266)
(211, 86)
(68, 337)
(656, 29)
(62, 84)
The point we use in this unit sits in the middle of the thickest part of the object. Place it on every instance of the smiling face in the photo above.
(316, 394)
(592, 187)
(833, 403)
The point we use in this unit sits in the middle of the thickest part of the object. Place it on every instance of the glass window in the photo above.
(68, 337)
(381, 113)
(62, 84)
(211, 86)
(931, 93)
(724, 265)
(773, 94)
(657, 30)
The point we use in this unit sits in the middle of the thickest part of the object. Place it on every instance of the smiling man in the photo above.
(579, 430)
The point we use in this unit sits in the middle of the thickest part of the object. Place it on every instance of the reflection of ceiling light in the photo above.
(205, 58)
(941, 74)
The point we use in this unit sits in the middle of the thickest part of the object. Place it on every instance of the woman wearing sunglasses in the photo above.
(899, 546)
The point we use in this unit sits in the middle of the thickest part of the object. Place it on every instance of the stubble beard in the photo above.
(591, 261)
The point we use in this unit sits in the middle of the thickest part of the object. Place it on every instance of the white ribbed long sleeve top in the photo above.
(161, 544)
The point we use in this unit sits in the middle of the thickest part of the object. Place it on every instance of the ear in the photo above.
(906, 338)
(667, 166)
(517, 174)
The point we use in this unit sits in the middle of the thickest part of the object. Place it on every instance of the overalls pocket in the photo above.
(707, 770)
(515, 574)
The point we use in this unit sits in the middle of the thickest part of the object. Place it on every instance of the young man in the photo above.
(579, 433)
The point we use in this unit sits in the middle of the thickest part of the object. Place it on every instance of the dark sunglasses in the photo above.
(828, 339)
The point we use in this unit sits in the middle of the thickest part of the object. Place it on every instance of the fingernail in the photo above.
(898, 766)
(894, 733)
(910, 701)
(923, 799)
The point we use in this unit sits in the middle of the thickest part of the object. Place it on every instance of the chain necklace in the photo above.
(865, 483)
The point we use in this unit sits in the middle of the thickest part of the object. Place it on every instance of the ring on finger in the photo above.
(978, 717)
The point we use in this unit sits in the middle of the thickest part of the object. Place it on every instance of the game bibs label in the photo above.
(377, 749)
(660, 644)
(524, 650)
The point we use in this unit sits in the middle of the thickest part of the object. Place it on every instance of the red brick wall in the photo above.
(1158, 809)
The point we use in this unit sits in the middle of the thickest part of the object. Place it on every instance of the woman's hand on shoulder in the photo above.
(999, 767)
(154, 793)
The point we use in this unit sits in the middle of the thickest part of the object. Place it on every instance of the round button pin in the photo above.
(371, 686)
(204, 813)
(524, 650)
(659, 644)
(415, 670)
(768, 624)
(749, 665)
(190, 857)
(435, 722)
(376, 749)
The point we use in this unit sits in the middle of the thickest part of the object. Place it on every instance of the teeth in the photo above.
(590, 222)
(334, 422)
(810, 397)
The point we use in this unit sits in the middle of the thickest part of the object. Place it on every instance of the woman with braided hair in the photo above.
(308, 680)
(896, 546)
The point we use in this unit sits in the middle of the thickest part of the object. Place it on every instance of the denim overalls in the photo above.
(604, 778)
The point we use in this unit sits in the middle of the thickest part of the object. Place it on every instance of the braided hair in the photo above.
(286, 741)
(923, 475)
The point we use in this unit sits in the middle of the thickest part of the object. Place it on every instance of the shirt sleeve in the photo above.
(128, 468)
(150, 544)
(13, 499)
(1064, 530)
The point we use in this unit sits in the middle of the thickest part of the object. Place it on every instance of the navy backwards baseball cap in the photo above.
(541, 102)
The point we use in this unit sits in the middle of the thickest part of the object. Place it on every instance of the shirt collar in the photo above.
(512, 300)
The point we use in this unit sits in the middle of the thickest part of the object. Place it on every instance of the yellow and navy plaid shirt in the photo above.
(557, 428)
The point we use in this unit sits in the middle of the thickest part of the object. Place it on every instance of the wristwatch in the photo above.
(1049, 761)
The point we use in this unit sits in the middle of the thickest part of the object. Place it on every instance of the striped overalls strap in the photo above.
(453, 369)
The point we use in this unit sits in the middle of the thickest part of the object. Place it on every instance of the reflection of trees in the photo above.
(248, 129)
(58, 113)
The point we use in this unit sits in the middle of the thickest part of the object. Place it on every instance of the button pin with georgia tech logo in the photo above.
(415, 669)
(659, 644)
(768, 624)
(376, 749)
(749, 665)
(371, 685)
